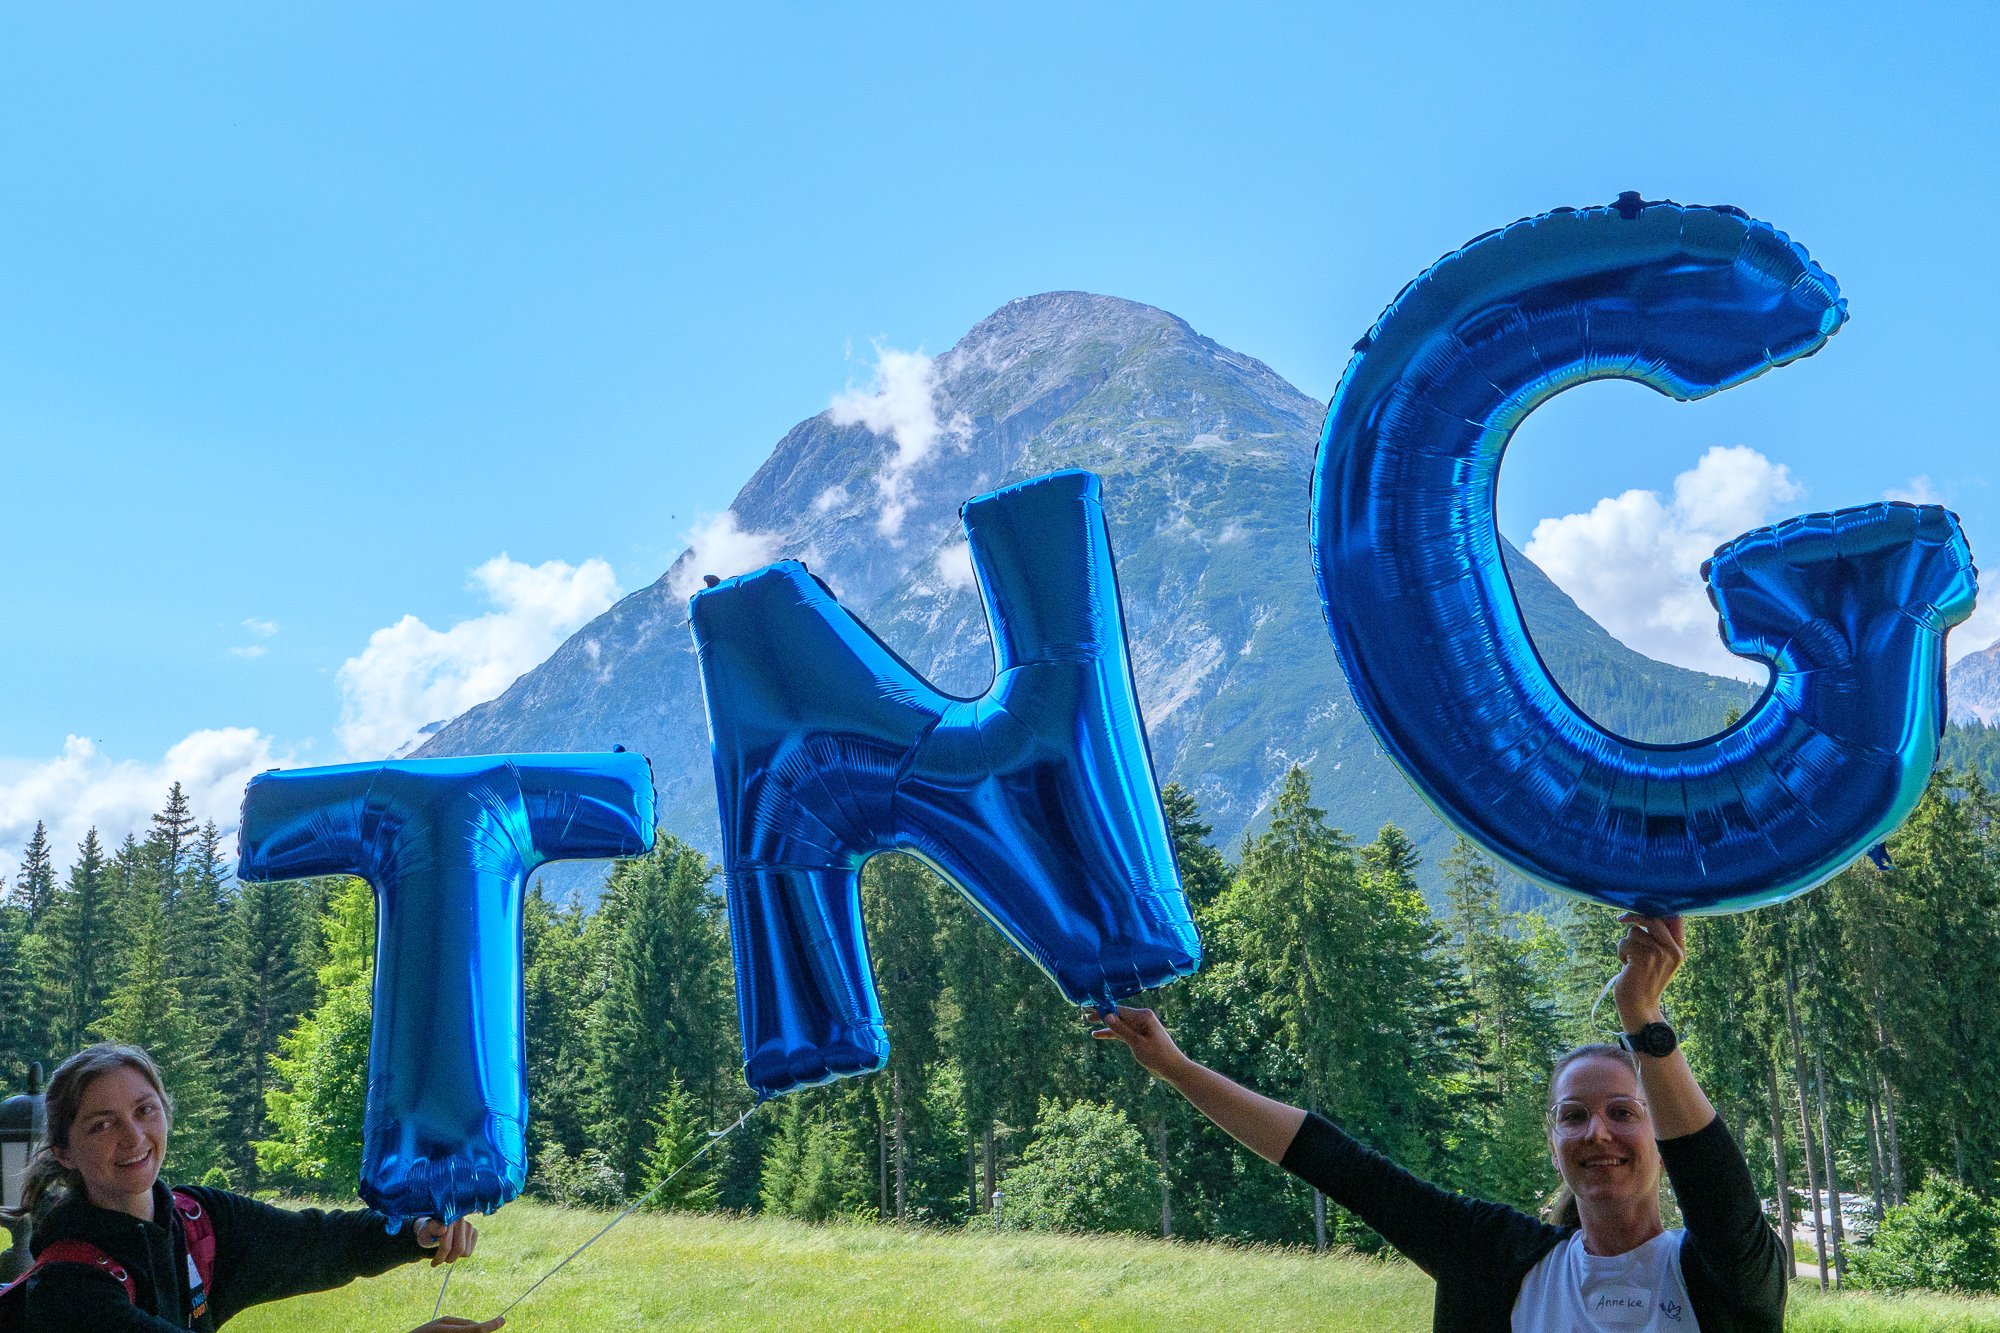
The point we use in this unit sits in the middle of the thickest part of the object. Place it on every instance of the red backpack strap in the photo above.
(198, 1229)
(76, 1252)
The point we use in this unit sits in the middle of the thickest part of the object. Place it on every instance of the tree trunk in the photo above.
(972, 1172)
(1834, 1221)
(1875, 1153)
(881, 1166)
(1892, 1143)
(902, 1148)
(1805, 1120)
(986, 1198)
(1319, 1222)
(1166, 1180)
(1779, 1173)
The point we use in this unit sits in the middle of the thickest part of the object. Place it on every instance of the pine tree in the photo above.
(678, 1133)
(75, 975)
(17, 1002)
(267, 987)
(665, 1011)
(1204, 874)
(148, 1010)
(35, 882)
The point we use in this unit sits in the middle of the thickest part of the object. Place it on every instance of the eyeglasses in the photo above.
(1571, 1120)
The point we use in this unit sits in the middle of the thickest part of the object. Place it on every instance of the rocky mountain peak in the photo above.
(1972, 687)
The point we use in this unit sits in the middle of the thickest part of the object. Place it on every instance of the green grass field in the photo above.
(684, 1271)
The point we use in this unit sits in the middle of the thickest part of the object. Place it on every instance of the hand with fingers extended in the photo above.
(1143, 1033)
(452, 1322)
(448, 1243)
(1652, 951)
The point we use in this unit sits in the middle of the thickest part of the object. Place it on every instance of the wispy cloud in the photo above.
(82, 789)
(262, 628)
(1633, 562)
(1918, 490)
(248, 650)
(900, 403)
(411, 674)
(722, 546)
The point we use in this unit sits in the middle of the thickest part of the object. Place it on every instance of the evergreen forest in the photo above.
(1847, 1036)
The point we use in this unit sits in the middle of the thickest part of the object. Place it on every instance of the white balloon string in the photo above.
(441, 1290)
(636, 1204)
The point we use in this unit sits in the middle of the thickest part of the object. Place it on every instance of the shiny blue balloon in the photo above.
(448, 845)
(1036, 799)
(1850, 609)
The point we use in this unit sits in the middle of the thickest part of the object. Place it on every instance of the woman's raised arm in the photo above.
(1261, 1124)
(1652, 951)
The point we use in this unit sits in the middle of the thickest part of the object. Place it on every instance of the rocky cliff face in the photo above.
(1206, 456)
(1972, 687)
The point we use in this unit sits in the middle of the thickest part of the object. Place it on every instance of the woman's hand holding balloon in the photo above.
(1652, 951)
(1141, 1030)
(451, 1243)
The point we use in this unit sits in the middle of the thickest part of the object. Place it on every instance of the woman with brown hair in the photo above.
(117, 1250)
(1618, 1116)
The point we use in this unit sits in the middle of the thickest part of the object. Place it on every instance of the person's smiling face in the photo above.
(118, 1140)
(1601, 1133)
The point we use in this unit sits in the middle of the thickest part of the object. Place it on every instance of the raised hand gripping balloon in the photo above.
(1850, 609)
(448, 845)
(1036, 799)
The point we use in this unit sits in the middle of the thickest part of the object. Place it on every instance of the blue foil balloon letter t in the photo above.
(1850, 609)
(1036, 798)
(448, 845)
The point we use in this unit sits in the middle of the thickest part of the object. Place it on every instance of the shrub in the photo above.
(1086, 1169)
(1945, 1238)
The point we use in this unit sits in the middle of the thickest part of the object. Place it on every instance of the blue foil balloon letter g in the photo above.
(1850, 609)
(448, 845)
(1037, 798)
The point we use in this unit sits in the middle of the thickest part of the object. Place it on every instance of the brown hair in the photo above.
(48, 1182)
(1560, 1209)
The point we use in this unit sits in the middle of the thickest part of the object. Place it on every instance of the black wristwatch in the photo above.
(1654, 1039)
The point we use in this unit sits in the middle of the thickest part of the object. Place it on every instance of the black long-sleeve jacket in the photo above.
(1735, 1267)
(262, 1254)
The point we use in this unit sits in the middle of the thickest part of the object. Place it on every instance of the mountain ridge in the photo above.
(1206, 456)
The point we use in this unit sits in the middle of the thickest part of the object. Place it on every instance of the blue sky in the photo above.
(310, 313)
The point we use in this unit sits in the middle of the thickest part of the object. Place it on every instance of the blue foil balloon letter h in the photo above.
(448, 845)
(1037, 798)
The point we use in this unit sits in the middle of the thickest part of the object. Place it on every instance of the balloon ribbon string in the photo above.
(441, 1291)
(634, 1206)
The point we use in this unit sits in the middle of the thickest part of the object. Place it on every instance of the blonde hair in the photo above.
(1560, 1209)
(48, 1183)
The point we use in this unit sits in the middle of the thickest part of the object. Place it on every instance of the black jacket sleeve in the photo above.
(264, 1253)
(66, 1297)
(1735, 1267)
(1454, 1239)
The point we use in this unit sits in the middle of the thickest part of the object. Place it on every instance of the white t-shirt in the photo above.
(1574, 1291)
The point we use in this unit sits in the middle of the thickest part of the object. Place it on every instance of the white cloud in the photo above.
(901, 403)
(411, 674)
(954, 564)
(829, 498)
(81, 789)
(1918, 490)
(263, 628)
(248, 650)
(722, 547)
(1982, 630)
(1633, 563)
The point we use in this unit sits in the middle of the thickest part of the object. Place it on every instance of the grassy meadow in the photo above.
(701, 1270)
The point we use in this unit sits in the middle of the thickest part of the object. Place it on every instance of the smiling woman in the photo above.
(115, 1248)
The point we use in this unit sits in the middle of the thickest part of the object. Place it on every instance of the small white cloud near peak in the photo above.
(901, 404)
(410, 674)
(263, 629)
(830, 498)
(723, 547)
(1982, 629)
(1633, 562)
(1918, 490)
(954, 564)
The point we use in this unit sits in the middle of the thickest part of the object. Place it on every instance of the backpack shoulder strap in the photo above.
(74, 1252)
(198, 1227)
